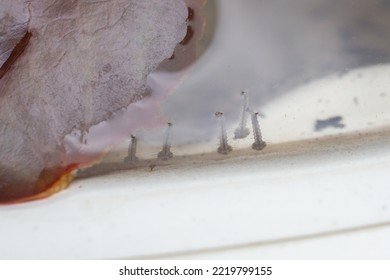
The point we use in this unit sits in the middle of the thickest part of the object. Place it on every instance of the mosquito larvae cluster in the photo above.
(241, 132)
(164, 154)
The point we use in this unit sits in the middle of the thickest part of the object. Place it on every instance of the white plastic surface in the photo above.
(307, 195)
(293, 193)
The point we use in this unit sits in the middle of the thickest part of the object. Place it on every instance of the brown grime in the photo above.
(188, 37)
(15, 54)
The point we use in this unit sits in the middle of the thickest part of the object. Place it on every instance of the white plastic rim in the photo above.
(307, 195)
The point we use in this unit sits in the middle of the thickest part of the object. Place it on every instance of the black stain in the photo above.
(333, 122)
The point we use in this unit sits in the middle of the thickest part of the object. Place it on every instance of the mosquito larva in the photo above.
(242, 131)
(166, 153)
(224, 147)
(132, 151)
(259, 144)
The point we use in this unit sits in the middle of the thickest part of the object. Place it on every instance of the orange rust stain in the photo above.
(50, 181)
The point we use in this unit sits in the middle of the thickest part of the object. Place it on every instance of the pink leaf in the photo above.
(85, 61)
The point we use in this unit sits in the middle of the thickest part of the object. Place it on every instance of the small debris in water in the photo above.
(335, 122)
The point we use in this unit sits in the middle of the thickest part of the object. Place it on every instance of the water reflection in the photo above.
(271, 48)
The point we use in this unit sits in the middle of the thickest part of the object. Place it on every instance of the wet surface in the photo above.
(272, 48)
(294, 190)
(298, 62)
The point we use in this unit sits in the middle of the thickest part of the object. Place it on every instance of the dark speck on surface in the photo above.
(333, 122)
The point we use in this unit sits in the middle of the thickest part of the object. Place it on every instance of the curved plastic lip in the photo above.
(277, 183)
(275, 188)
(283, 149)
